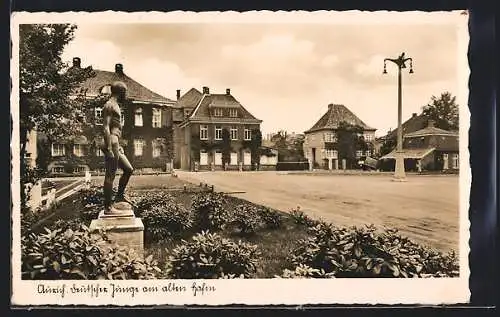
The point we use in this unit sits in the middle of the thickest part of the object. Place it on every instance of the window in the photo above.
(329, 137)
(248, 135)
(98, 115)
(79, 169)
(99, 152)
(122, 119)
(78, 150)
(156, 118)
(233, 113)
(218, 132)
(331, 153)
(138, 117)
(359, 154)
(368, 153)
(368, 137)
(58, 149)
(138, 147)
(218, 112)
(156, 149)
(203, 132)
(234, 133)
(57, 169)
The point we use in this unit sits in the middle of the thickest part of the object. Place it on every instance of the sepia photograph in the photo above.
(168, 158)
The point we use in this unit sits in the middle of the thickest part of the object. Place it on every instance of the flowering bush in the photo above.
(300, 218)
(208, 211)
(364, 252)
(208, 255)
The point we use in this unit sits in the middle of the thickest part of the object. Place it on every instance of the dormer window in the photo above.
(233, 113)
(218, 112)
(106, 90)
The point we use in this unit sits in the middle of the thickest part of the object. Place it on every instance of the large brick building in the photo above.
(320, 143)
(147, 120)
(201, 118)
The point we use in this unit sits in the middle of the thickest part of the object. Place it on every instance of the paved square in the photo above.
(426, 208)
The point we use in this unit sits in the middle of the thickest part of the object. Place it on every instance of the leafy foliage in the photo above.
(152, 200)
(304, 271)
(162, 222)
(69, 251)
(246, 219)
(45, 87)
(226, 147)
(443, 110)
(272, 219)
(364, 252)
(255, 146)
(208, 211)
(209, 255)
(350, 140)
(91, 200)
(289, 149)
(301, 218)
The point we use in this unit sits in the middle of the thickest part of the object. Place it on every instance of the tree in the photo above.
(349, 140)
(47, 89)
(443, 110)
(226, 148)
(256, 144)
(289, 149)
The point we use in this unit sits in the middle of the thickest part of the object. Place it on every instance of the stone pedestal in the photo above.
(121, 227)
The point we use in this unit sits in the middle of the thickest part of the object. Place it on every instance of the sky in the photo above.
(284, 74)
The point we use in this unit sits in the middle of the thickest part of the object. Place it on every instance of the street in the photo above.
(425, 208)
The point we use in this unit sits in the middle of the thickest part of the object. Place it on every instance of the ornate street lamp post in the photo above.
(399, 173)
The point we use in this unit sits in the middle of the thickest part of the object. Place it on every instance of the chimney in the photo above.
(77, 62)
(206, 91)
(330, 106)
(119, 69)
(228, 91)
(413, 115)
(431, 123)
(178, 94)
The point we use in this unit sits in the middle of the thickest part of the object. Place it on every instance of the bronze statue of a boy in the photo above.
(113, 152)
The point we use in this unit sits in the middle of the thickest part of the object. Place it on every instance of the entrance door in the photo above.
(313, 156)
(247, 158)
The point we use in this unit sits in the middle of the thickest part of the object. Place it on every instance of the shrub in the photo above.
(64, 253)
(59, 254)
(304, 271)
(91, 200)
(208, 255)
(163, 222)
(208, 211)
(150, 200)
(246, 219)
(300, 218)
(271, 218)
(363, 252)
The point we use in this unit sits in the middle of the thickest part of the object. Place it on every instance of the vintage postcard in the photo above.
(257, 158)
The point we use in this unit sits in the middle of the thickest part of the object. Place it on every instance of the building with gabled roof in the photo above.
(147, 127)
(430, 148)
(320, 144)
(199, 134)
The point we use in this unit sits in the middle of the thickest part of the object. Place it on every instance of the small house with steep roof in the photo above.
(320, 143)
(428, 149)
